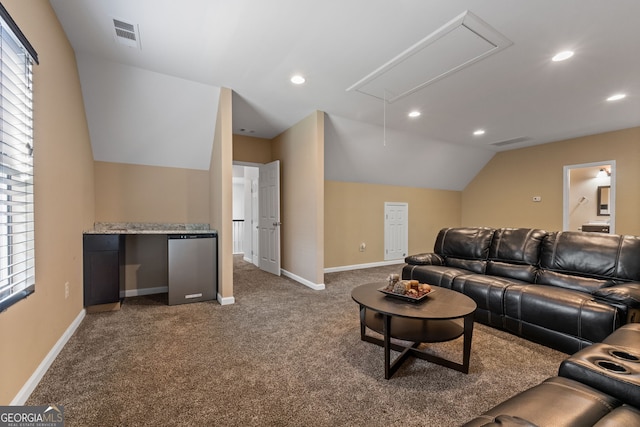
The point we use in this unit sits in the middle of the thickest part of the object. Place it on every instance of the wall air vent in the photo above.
(511, 141)
(126, 33)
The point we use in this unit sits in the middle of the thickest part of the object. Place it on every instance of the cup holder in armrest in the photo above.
(624, 355)
(611, 366)
(610, 369)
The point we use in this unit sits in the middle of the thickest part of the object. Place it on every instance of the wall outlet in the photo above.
(363, 246)
(66, 290)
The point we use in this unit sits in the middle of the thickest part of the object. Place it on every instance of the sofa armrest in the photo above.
(425, 259)
(612, 370)
(625, 293)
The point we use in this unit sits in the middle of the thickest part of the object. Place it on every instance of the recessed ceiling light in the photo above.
(616, 97)
(479, 132)
(298, 79)
(561, 56)
(414, 114)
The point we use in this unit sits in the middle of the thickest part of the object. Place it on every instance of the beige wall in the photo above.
(220, 178)
(300, 150)
(137, 193)
(500, 195)
(63, 201)
(251, 149)
(354, 213)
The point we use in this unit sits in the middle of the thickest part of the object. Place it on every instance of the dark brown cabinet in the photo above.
(103, 268)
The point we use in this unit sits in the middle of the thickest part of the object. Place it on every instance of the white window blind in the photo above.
(17, 258)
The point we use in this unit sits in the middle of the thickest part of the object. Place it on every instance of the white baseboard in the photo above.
(144, 291)
(308, 283)
(360, 266)
(35, 378)
(225, 301)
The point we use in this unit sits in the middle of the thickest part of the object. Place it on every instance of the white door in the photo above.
(396, 230)
(255, 221)
(269, 221)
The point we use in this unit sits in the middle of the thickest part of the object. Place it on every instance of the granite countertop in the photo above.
(148, 228)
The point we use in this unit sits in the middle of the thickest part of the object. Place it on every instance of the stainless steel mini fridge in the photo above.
(193, 267)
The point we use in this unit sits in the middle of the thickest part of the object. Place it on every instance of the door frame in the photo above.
(249, 243)
(566, 185)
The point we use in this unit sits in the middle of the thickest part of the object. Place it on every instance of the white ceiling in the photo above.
(254, 46)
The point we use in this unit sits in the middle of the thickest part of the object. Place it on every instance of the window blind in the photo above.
(17, 254)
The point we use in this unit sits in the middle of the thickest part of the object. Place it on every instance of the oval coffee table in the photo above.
(436, 318)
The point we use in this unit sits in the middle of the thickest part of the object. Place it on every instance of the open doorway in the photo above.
(589, 202)
(256, 210)
(245, 212)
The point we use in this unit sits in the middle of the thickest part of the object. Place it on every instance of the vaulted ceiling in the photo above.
(464, 65)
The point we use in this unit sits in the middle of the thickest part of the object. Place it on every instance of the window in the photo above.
(17, 260)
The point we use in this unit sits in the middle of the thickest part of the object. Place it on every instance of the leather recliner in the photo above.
(565, 290)
(598, 386)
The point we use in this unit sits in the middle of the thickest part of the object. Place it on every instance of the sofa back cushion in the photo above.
(465, 247)
(517, 245)
(515, 253)
(588, 261)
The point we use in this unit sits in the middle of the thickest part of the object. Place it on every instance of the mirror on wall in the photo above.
(603, 200)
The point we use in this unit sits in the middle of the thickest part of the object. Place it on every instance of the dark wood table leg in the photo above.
(468, 335)
(362, 323)
(386, 329)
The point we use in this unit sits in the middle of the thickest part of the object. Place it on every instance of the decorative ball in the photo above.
(399, 288)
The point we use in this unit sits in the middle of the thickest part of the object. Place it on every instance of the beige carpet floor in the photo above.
(282, 355)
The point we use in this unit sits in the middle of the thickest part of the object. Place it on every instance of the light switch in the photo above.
(537, 199)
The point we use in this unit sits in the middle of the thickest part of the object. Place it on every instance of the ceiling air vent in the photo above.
(511, 141)
(126, 33)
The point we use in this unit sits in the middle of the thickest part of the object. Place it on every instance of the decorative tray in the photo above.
(406, 297)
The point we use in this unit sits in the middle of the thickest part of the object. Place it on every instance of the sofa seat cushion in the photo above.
(568, 312)
(589, 285)
(627, 294)
(624, 415)
(488, 293)
(558, 402)
(436, 275)
(474, 265)
(523, 272)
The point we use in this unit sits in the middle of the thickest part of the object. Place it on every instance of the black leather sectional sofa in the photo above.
(598, 386)
(566, 290)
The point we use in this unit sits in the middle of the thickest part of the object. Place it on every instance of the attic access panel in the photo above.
(461, 42)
